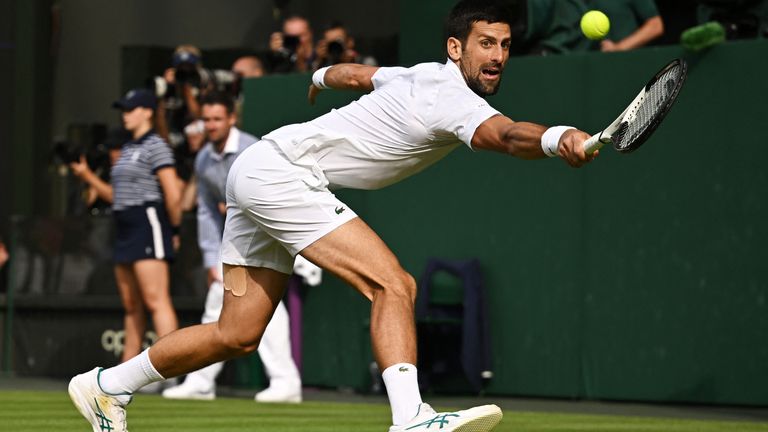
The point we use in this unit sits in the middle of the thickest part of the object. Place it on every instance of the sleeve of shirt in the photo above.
(209, 222)
(160, 155)
(645, 9)
(386, 74)
(459, 112)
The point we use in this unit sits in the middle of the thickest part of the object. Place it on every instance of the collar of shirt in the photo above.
(141, 139)
(453, 68)
(231, 146)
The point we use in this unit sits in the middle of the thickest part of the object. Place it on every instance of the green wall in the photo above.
(639, 277)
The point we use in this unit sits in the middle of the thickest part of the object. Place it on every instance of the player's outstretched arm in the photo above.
(524, 140)
(343, 76)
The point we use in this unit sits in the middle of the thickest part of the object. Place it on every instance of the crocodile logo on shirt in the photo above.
(339, 210)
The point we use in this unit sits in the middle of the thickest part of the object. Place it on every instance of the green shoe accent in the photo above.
(440, 420)
(104, 423)
(98, 383)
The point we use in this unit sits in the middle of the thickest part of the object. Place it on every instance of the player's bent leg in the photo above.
(356, 254)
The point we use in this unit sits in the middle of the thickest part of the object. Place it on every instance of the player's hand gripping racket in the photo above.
(636, 124)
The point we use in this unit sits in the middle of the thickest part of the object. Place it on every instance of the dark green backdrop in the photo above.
(639, 277)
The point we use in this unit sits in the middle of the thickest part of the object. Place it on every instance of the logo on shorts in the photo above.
(339, 210)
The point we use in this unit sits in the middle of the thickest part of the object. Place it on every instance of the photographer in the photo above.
(337, 46)
(178, 90)
(100, 147)
(292, 49)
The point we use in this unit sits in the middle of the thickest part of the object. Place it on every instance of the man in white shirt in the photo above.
(280, 204)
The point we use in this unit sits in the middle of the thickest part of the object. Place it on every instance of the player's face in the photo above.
(484, 55)
(217, 122)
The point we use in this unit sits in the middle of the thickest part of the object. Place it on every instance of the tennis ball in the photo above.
(595, 25)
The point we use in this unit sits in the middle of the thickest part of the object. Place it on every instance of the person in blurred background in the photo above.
(178, 91)
(634, 23)
(245, 67)
(553, 26)
(225, 143)
(292, 50)
(145, 203)
(3, 254)
(338, 46)
(248, 66)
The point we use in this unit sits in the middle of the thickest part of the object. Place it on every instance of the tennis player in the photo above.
(280, 204)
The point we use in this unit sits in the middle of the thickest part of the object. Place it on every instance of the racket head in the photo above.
(642, 118)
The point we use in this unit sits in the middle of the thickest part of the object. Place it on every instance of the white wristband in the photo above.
(318, 78)
(551, 139)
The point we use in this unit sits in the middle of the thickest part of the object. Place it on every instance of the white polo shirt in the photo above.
(413, 118)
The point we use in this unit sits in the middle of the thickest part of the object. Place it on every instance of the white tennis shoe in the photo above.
(279, 394)
(190, 391)
(478, 419)
(105, 412)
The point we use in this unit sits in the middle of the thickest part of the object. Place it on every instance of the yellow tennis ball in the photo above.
(595, 25)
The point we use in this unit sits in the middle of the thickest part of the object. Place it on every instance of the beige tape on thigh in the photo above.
(236, 280)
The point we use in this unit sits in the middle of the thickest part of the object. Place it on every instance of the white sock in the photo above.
(402, 385)
(130, 376)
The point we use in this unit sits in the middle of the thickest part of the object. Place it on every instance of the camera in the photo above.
(188, 74)
(290, 44)
(67, 152)
(89, 140)
(336, 50)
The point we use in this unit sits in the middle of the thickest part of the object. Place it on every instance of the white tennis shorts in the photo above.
(276, 208)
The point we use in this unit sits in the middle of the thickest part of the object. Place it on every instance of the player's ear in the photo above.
(454, 48)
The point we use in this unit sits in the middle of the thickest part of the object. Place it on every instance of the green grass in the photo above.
(22, 411)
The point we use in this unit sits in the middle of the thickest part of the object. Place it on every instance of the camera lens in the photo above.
(336, 48)
(291, 43)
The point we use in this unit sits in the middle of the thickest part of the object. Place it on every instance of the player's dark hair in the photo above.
(468, 12)
(218, 98)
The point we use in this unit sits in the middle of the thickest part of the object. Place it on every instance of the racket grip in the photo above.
(593, 144)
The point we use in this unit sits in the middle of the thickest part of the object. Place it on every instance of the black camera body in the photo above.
(336, 50)
(291, 44)
(188, 74)
(90, 140)
(67, 152)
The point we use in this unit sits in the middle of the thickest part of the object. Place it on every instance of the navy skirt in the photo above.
(142, 232)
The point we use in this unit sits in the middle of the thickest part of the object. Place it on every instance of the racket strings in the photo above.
(657, 98)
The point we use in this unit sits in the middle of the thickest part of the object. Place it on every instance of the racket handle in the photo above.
(593, 144)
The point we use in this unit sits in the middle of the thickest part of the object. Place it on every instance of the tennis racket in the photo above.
(636, 124)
